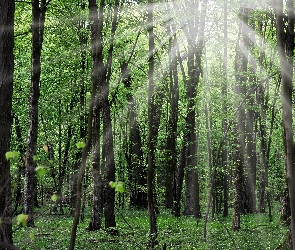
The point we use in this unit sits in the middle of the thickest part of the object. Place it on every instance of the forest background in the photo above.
(183, 107)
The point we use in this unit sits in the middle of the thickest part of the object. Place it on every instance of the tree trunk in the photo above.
(179, 178)
(136, 170)
(224, 160)
(171, 150)
(97, 77)
(109, 205)
(238, 185)
(6, 87)
(95, 219)
(110, 222)
(151, 135)
(38, 13)
(195, 52)
(18, 195)
(285, 40)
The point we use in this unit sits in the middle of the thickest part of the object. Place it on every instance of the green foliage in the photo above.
(176, 233)
(32, 236)
(80, 145)
(118, 185)
(41, 170)
(12, 155)
(54, 197)
(22, 219)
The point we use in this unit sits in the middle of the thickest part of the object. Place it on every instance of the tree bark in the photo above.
(170, 148)
(38, 13)
(151, 135)
(224, 160)
(109, 205)
(194, 29)
(179, 178)
(96, 48)
(6, 88)
(95, 219)
(285, 41)
(238, 187)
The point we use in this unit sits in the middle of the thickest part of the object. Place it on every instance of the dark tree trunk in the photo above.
(38, 13)
(195, 52)
(61, 168)
(109, 205)
(171, 150)
(64, 162)
(179, 178)
(18, 195)
(224, 160)
(151, 134)
(95, 219)
(241, 64)
(285, 40)
(6, 87)
(238, 188)
(264, 192)
(83, 122)
(136, 170)
(96, 77)
(192, 206)
(247, 114)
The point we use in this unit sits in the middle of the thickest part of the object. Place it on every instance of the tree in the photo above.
(151, 135)
(38, 13)
(195, 52)
(95, 29)
(224, 119)
(285, 42)
(6, 88)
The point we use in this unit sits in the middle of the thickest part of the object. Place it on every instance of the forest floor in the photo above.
(53, 232)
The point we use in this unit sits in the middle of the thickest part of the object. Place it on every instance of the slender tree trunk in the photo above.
(6, 87)
(97, 77)
(195, 52)
(224, 161)
(134, 155)
(110, 222)
(95, 220)
(179, 178)
(238, 187)
(285, 40)
(151, 136)
(18, 196)
(38, 13)
(109, 205)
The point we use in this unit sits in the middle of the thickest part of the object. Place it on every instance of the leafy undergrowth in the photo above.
(53, 232)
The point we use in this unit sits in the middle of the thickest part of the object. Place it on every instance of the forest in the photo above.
(147, 124)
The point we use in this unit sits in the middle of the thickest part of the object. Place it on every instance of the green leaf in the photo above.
(112, 184)
(80, 144)
(32, 236)
(120, 187)
(35, 157)
(0, 221)
(50, 161)
(54, 197)
(41, 170)
(22, 219)
(11, 155)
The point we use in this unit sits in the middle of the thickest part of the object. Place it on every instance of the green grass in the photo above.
(53, 232)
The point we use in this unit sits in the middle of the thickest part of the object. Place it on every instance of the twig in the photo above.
(124, 219)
